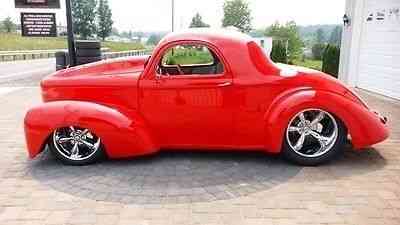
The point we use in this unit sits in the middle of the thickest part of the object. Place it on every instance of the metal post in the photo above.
(287, 51)
(71, 41)
(173, 15)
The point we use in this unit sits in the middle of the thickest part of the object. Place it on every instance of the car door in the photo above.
(187, 103)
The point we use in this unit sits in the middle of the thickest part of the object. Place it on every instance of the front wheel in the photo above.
(75, 146)
(313, 137)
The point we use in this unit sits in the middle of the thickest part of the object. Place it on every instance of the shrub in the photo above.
(278, 53)
(330, 60)
(318, 51)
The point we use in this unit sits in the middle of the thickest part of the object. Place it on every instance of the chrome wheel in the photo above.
(76, 144)
(312, 133)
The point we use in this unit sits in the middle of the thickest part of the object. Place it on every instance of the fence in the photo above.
(42, 54)
(26, 55)
(111, 55)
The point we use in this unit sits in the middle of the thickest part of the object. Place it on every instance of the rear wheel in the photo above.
(313, 137)
(75, 146)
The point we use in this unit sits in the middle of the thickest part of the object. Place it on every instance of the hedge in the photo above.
(330, 60)
(278, 53)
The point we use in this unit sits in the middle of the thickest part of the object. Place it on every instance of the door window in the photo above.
(190, 59)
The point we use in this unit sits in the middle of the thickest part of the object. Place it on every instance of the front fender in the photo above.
(364, 126)
(124, 134)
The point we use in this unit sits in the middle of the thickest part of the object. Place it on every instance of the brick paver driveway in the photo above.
(361, 188)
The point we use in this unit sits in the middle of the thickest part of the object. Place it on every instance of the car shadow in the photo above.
(181, 177)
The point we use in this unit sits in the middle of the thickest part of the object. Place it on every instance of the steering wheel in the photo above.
(179, 69)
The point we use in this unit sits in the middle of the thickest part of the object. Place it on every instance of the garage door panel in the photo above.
(379, 56)
(377, 3)
(391, 88)
(378, 75)
(381, 49)
(381, 37)
(384, 61)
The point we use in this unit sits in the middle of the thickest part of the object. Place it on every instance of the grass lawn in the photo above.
(15, 42)
(309, 63)
(188, 57)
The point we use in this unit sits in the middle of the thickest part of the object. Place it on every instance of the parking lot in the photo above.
(195, 188)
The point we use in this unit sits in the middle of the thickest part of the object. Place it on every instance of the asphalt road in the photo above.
(25, 73)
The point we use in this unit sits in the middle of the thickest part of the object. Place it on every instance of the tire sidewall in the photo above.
(97, 156)
(88, 52)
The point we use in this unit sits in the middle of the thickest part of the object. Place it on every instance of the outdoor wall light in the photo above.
(346, 20)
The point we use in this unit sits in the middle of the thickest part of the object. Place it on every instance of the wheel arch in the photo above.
(354, 116)
(122, 134)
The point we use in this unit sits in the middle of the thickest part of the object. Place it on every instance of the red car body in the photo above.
(248, 107)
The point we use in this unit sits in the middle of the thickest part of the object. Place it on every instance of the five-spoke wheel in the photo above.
(75, 145)
(314, 136)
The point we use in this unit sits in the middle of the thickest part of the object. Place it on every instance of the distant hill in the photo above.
(308, 33)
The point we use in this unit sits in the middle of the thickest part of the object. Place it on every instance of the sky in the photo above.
(155, 15)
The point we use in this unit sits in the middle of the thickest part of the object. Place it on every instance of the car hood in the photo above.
(97, 73)
(110, 82)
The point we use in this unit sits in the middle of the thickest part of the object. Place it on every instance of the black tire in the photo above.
(61, 60)
(60, 67)
(87, 45)
(86, 60)
(336, 151)
(86, 52)
(96, 157)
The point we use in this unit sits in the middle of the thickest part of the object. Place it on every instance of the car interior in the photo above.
(190, 60)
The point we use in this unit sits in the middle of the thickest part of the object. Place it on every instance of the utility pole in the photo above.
(173, 15)
(70, 31)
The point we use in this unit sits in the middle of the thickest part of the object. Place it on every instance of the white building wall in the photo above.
(349, 58)
(370, 57)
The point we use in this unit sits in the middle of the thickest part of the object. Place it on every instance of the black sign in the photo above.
(38, 24)
(48, 4)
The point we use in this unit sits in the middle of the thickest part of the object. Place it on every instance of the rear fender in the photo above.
(364, 126)
(122, 134)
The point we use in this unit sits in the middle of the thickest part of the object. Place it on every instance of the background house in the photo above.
(265, 43)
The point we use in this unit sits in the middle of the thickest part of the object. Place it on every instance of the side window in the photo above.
(190, 59)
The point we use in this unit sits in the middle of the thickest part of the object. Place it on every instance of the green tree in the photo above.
(197, 21)
(153, 39)
(104, 21)
(278, 53)
(320, 36)
(336, 36)
(139, 35)
(290, 34)
(8, 25)
(237, 13)
(331, 59)
(115, 31)
(84, 17)
(126, 34)
(318, 51)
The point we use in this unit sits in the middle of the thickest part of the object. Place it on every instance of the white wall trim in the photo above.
(351, 40)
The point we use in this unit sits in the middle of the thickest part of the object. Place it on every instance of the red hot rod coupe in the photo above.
(200, 89)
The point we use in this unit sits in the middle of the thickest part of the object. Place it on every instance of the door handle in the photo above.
(226, 84)
(212, 84)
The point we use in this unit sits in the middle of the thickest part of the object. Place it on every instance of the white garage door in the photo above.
(379, 62)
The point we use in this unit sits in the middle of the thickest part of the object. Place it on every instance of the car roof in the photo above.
(213, 36)
(234, 47)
